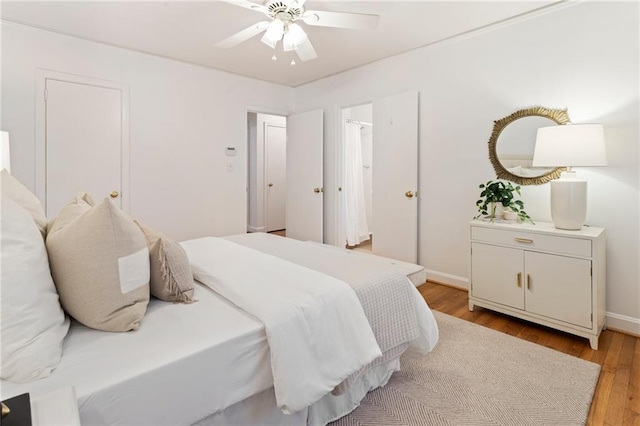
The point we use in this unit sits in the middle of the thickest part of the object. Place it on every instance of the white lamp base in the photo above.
(569, 202)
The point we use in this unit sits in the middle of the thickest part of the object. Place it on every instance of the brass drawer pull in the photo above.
(528, 282)
(524, 240)
(519, 281)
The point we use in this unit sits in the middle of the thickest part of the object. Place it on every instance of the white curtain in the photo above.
(356, 227)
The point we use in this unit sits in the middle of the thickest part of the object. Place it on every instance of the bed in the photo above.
(209, 362)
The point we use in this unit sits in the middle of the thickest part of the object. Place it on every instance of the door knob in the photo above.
(409, 194)
(317, 190)
(114, 194)
(270, 185)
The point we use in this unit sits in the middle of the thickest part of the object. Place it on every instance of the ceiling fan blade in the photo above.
(248, 5)
(306, 52)
(243, 35)
(356, 21)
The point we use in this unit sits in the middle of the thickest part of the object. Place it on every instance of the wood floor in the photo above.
(617, 396)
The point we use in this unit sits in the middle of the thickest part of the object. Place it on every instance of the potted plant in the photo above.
(498, 196)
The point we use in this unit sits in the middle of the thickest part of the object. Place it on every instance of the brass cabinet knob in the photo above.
(270, 185)
(409, 194)
(317, 190)
(114, 194)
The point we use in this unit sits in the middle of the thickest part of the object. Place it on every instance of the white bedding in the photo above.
(347, 266)
(304, 313)
(185, 363)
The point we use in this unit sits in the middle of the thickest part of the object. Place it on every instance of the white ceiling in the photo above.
(188, 30)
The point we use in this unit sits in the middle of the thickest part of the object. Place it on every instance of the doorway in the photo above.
(393, 221)
(357, 186)
(267, 172)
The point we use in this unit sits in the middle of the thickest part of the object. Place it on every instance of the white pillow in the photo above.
(19, 193)
(33, 323)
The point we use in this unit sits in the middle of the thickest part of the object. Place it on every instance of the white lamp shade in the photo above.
(570, 145)
(5, 152)
(274, 33)
(294, 37)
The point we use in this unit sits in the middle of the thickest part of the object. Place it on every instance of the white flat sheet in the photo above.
(316, 327)
(185, 363)
(416, 273)
(348, 266)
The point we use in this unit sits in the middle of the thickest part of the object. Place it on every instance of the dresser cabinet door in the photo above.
(497, 274)
(558, 287)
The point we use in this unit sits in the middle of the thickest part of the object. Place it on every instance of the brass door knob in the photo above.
(114, 194)
(270, 185)
(409, 194)
(317, 190)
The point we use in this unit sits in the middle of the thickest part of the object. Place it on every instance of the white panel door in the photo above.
(559, 287)
(395, 177)
(502, 281)
(304, 176)
(83, 142)
(276, 170)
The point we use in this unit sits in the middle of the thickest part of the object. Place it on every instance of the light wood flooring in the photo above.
(617, 397)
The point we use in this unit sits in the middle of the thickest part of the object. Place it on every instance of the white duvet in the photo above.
(303, 312)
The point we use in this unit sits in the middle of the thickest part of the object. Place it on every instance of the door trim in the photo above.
(42, 75)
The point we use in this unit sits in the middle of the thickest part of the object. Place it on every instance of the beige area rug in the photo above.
(478, 376)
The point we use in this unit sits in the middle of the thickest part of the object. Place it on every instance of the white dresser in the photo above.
(541, 274)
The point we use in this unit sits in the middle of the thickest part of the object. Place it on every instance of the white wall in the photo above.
(580, 56)
(181, 119)
(364, 113)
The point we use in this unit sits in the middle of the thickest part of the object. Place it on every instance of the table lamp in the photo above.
(5, 155)
(568, 146)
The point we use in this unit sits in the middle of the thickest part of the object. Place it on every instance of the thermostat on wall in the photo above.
(230, 151)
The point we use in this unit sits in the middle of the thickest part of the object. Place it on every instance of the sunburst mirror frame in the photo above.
(558, 116)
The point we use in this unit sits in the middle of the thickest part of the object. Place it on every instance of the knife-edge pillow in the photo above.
(33, 323)
(100, 264)
(13, 189)
(171, 276)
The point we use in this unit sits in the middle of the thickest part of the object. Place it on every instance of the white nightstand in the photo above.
(541, 274)
(59, 407)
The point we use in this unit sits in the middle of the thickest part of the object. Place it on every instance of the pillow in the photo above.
(100, 265)
(13, 189)
(33, 323)
(171, 276)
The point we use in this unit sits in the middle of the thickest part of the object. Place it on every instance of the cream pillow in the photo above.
(13, 189)
(171, 276)
(33, 323)
(100, 265)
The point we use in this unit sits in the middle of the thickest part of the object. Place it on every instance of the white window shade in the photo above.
(570, 145)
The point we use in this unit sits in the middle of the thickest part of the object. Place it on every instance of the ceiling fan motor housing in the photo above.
(281, 10)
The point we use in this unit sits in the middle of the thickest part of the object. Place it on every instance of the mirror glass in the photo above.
(516, 143)
(512, 144)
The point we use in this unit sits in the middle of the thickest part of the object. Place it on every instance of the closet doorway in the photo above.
(392, 223)
(357, 184)
(267, 172)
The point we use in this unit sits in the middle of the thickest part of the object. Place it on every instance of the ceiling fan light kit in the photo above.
(282, 27)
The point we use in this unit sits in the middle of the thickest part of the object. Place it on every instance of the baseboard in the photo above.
(623, 323)
(447, 279)
(256, 229)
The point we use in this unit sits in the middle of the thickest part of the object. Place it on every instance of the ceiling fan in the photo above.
(285, 15)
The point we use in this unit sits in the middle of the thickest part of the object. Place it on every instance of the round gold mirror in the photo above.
(512, 143)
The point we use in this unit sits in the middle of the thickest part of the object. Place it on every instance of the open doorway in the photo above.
(357, 189)
(267, 173)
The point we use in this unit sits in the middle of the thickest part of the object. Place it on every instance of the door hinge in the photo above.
(591, 271)
(591, 316)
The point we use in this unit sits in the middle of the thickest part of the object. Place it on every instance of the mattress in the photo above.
(185, 363)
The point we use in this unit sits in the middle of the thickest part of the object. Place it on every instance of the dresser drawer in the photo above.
(525, 240)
